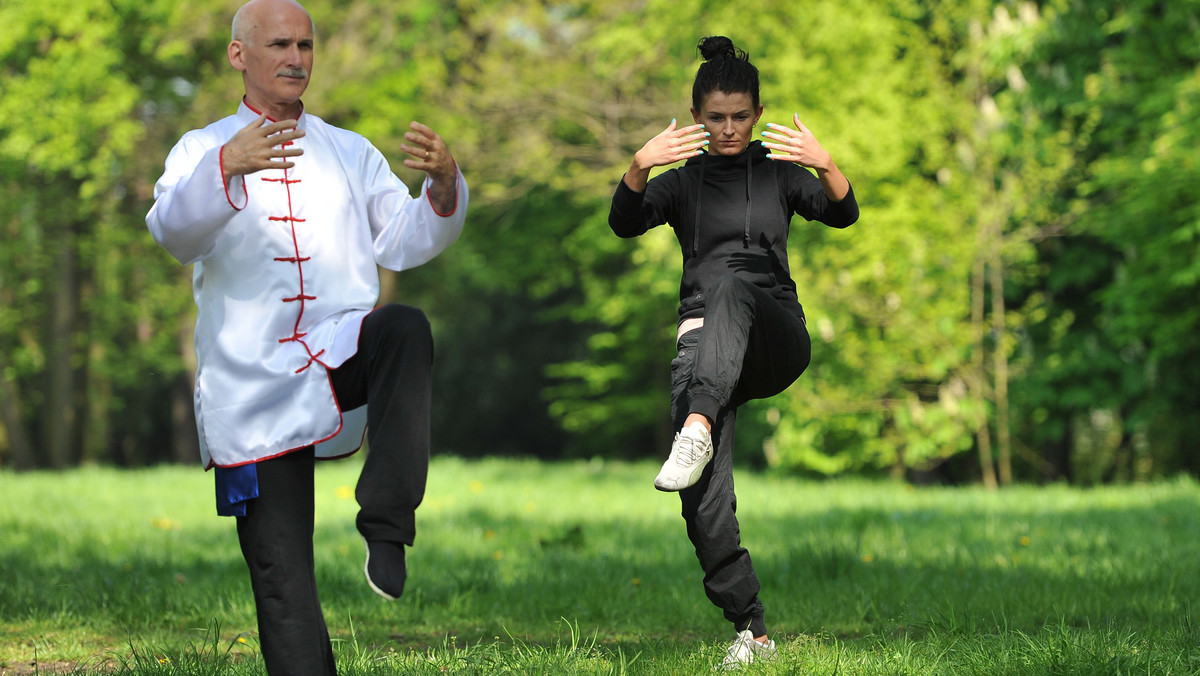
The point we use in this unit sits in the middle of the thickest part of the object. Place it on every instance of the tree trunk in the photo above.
(979, 377)
(982, 164)
(1000, 353)
(185, 442)
(19, 449)
(1058, 453)
(59, 417)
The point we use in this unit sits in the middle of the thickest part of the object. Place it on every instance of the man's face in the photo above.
(275, 56)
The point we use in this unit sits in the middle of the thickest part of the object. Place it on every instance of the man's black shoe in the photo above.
(385, 568)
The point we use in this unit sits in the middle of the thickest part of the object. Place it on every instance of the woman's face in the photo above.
(730, 118)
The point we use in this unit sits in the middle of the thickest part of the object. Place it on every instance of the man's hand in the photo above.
(430, 155)
(258, 146)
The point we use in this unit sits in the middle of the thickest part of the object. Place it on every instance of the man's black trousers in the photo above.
(392, 372)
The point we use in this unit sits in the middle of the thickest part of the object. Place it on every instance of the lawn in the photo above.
(582, 567)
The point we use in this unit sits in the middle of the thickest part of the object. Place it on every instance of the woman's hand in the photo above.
(796, 145)
(800, 146)
(669, 147)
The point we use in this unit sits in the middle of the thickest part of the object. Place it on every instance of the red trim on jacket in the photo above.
(225, 184)
(297, 260)
(341, 422)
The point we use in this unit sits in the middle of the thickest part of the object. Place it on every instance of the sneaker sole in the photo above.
(695, 476)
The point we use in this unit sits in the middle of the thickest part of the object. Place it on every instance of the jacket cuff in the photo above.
(626, 200)
(232, 190)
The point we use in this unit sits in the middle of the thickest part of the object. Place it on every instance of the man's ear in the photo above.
(235, 56)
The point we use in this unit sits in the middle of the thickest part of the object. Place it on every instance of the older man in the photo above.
(285, 218)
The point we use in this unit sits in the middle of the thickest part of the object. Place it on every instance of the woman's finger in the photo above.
(799, 125)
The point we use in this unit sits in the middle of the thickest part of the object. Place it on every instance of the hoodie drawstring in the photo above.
(699, 194)
(749, 177)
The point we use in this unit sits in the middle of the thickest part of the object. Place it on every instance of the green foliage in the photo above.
(1110, 100)
(1050, 142)
(77, 298)
(888, 331)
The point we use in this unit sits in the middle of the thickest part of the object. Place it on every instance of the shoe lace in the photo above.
(689, 451)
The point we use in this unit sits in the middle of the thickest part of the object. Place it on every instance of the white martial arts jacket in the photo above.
(285, 272)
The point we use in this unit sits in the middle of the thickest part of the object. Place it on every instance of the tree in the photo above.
(1024, 263)
(1112, 343)
(82, 83)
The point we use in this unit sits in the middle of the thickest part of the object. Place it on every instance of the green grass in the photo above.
(523, 567)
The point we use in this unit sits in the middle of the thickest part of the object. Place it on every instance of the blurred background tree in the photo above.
(1016, 302)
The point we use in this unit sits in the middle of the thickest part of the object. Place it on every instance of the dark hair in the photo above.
(726, 69)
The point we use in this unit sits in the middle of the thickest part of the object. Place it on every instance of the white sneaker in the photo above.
(689, 454)
(745, 650)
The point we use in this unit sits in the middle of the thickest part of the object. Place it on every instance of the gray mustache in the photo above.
(292, 72)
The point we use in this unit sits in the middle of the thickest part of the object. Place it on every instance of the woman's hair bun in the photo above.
(725, 69)
(717, 46)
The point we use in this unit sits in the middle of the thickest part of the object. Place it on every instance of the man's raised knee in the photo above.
(404, 320)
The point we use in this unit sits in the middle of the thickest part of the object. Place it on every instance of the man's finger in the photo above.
(285, 137)
(255, 124)
(277, 127)
(418, 139)
(416, 151)
(422, 130)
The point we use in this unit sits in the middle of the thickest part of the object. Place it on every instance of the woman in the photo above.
(741, 332)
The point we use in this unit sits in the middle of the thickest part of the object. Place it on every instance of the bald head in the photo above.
(258, 14)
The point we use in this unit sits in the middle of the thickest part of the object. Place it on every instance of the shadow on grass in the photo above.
(986, 570)
(838, 574)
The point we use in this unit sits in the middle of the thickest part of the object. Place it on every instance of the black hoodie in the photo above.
(731, 215)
